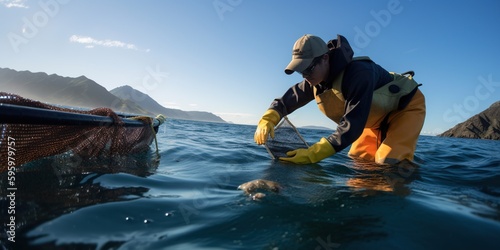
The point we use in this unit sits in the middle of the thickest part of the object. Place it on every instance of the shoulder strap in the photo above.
(337, 82)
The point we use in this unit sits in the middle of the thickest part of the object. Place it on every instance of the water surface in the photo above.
(189, 198)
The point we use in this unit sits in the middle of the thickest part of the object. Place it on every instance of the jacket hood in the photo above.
(340, 54)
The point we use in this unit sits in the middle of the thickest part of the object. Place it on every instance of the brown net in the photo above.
(26, 134)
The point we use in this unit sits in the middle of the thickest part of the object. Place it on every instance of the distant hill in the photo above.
(86, 93)
(55, 89)
(485, 125)
(130, 94)
(316, 127)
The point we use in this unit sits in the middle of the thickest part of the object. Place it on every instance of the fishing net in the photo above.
(30, 130)
(286, 138)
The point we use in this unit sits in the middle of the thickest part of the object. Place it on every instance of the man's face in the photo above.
(317, 71)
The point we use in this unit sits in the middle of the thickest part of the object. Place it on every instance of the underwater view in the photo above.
(188, 197)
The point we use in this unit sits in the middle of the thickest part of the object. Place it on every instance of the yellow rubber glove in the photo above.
(266, 126)
(313, 154)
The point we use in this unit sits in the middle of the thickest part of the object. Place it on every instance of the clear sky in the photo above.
(227, 56)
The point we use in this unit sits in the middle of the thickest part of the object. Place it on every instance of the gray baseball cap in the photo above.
(304, 51)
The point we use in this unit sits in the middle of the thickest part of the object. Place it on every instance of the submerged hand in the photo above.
(313, 154)
(298, 156)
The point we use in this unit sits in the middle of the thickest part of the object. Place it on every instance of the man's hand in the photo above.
(313, 154)
(266, 126)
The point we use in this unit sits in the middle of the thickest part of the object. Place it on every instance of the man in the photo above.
(380, 114)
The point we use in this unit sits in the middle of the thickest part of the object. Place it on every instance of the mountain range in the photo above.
(485, 125)
(130, 94)
(85, 93)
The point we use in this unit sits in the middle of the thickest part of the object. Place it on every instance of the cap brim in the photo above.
(298, 64)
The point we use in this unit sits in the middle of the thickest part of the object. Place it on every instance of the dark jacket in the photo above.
(361, 79)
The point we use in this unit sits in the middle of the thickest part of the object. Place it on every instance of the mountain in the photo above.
(485, 125)
(130, 94)
(58, 90)
(316, 127)
(86, 93)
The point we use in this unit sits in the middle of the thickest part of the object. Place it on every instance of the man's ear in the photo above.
(326, 57)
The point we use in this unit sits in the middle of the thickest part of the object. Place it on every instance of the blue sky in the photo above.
(227, 56)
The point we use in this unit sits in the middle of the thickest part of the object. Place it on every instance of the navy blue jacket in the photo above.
(361, 79)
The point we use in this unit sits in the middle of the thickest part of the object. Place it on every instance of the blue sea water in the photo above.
(188, 199)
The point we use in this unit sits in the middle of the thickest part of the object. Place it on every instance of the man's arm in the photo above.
(295, 97)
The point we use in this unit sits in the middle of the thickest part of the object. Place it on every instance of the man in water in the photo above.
(380, 114)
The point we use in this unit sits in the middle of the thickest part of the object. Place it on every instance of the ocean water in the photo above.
(189, 197)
